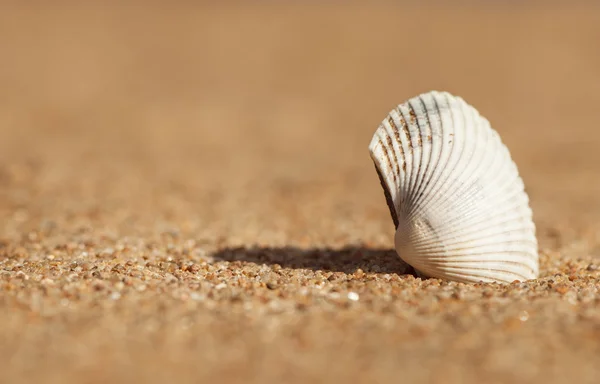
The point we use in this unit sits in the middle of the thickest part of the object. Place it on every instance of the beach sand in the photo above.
(186, 194)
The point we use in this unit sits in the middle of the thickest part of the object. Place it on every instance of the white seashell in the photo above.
(455, 195)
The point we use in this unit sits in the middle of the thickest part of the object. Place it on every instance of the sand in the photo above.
(186, 194)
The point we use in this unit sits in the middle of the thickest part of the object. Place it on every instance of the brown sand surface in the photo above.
(186, 193)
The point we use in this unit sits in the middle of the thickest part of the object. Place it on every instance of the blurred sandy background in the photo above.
(186, 192)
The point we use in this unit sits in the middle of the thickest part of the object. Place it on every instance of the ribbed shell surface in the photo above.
(455, 195)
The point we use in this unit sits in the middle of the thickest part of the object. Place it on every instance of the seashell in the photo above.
(455, 195)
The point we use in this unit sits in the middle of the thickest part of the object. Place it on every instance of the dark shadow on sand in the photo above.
(346, 260)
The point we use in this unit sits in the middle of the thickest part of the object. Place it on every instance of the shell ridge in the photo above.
(388, 129)
(434, 152)
(472, 186)
(487, 277)
(512, 258)
(503, 229)
(484, 222)
(472, 212)
(522, 277)
(465, 162)
(380, 157)
(397, 153)
(448, 181)
(412, 169)
(476, 265)
(445, 152)
(457, 253)
(418, 149)
(395, 130)
(398, 143)
(460, 207)
(403, 138)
